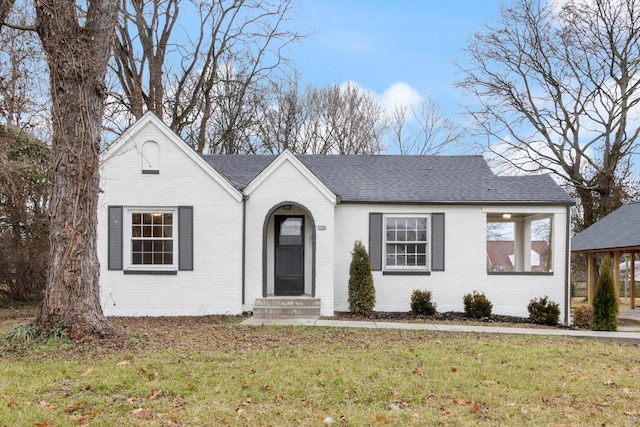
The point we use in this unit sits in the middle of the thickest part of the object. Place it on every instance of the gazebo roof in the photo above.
(620, 230)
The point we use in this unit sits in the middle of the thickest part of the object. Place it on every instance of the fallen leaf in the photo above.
(454, 369)
(85, 372)
(124, 363)
(142, 413)
(379, 418)
(43, 423)
(279, 398)
(461, 401)
(12, 403)
(609, 382)
(475, 408)
(154, 394)
(46, 405)
(266, 387)
(418, 371)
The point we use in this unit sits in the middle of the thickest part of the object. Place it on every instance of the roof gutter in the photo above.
(459, 202)
(244, 243)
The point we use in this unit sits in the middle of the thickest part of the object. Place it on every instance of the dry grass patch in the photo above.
(211, 371)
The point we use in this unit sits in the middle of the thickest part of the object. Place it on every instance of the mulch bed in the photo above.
(444, 317)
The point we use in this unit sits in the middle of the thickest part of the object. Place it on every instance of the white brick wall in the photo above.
(465, 261)
(214, 286)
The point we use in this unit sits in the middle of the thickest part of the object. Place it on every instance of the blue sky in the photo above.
(382, 43)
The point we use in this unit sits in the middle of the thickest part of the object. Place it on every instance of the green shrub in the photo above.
(477, 305)
(542, 311)
(605, 303)
(362, 293)
(582, 316)
(421, 303)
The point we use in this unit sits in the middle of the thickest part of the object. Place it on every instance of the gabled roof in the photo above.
(284, 157)
(618, 230)
(405, 179)
(131, 135)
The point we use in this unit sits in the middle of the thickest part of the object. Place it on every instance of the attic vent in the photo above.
(150, 157)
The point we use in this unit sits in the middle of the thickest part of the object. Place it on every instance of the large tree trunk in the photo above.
(77, 57)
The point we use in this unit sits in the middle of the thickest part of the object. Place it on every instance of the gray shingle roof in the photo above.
(618, 230)
(405, 179)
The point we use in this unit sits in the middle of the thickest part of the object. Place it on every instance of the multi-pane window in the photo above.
(406, 242)
(152, 237)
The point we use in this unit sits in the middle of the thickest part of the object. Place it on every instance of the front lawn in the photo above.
(210, 371)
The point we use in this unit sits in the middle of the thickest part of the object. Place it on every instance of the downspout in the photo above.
(567, 286)
(244, 243)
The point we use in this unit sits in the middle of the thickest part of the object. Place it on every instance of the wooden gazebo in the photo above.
(618, 233)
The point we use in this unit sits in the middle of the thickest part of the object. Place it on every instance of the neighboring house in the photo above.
(181, 234)
(501, 255)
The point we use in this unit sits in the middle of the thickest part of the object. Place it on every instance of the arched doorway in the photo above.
(289, 251)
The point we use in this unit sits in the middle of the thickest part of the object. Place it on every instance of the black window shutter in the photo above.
(115, 238)
(185, 238)
(437, 242)
(375, 241)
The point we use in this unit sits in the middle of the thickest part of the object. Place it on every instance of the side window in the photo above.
(152, 235)
(406, 243)
(152, 240)
(519, 243)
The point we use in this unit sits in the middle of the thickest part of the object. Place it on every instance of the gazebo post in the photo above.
(590, 277)
(632, 280)
(616, 273)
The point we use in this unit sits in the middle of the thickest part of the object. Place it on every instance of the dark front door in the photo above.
(289, 255)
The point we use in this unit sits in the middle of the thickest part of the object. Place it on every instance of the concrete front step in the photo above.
(288, 301)
(286, 307)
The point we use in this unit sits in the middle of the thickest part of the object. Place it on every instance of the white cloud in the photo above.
(400, 93)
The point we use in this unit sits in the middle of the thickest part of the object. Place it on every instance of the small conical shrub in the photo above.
(362, 293)
(605, 303)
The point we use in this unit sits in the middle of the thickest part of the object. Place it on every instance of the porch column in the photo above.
(519, 247)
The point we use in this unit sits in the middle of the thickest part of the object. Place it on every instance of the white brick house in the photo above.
(181, 234)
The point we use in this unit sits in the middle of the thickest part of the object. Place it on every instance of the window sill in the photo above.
(406, 273)
(520, 273)
(153, 272)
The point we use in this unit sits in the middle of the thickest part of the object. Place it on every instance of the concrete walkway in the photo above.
(623, 334)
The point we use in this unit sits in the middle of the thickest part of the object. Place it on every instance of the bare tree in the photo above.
(282, 119)
(23, 89)
(76, 38)
(202, 75)
(431, 133)
(556, 90)
(337, 120)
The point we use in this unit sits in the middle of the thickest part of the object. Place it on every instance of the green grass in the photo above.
(214, 372)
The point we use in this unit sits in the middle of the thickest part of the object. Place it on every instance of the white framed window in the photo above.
(519, 243)
(406, 244)
(150, 239)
